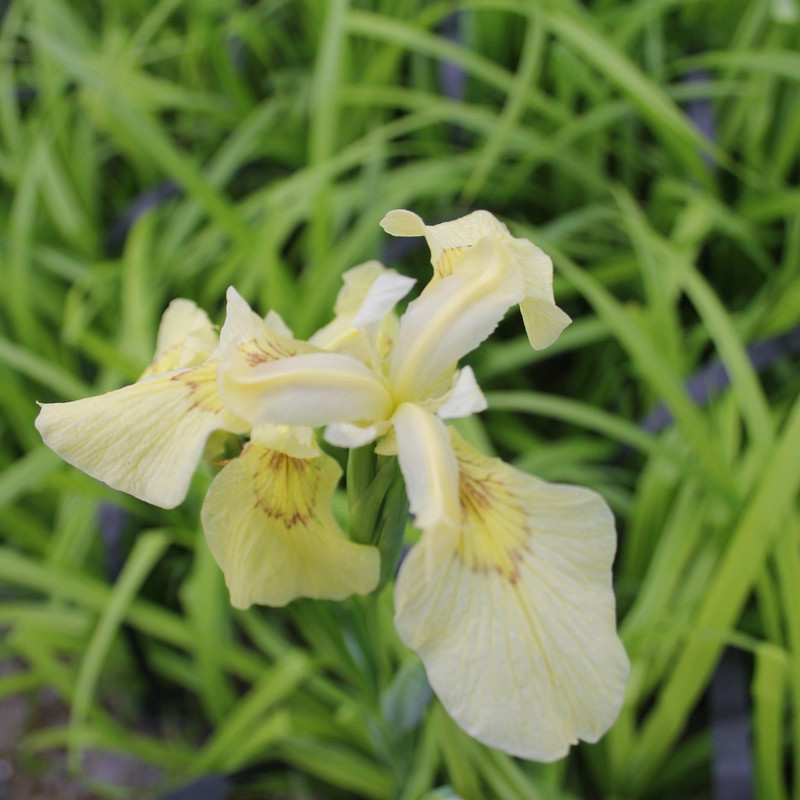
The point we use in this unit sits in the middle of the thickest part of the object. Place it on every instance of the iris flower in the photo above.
(267, 514)
(506, 597)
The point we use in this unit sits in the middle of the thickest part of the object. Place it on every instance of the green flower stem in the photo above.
(378, 506)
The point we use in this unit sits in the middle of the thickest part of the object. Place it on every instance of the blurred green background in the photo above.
(150, 150)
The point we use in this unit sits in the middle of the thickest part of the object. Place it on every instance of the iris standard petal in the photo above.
(364, 321)
(186, 338)
(451, 318)
(268, 523)
(428, 465)
(515, 622)
(145, 439)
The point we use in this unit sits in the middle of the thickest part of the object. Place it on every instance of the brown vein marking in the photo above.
(287, 487)
(202, 385)
(444, 266)
(259, 351)
(494, 531)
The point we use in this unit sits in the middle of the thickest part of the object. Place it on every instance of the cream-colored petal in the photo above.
(267, 378)
(345, 434)
(145, 439)
(268, 523)
(428, 465)
(363, 319)
(186, 338)
(452, 317)
(275, 322)
(515, 622)
(464, 399)
(339, 335)
(297, 441)
(386, 291)
(544, 321)
(447, 239)
(312, 389)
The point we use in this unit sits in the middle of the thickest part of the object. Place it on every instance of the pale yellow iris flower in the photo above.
(507, 597)
(267, 514)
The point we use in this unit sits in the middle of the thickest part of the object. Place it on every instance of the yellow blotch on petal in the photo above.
(269, 525)
(514, 616)
(186, 338)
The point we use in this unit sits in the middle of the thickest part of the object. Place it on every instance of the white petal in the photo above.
(428, 465)
(464, 399)
(363, 311)
(452, 317)
(268, 523)
(145, 439)
(345, 434)
(515, 623)
(313, 389)
(388, 289)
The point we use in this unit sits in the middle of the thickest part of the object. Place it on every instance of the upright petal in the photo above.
(145, 439)
(452, 317)
(364, 325)
(515, 622)
(428, 465)
(186, 338)
(543, 320)
(268, 523)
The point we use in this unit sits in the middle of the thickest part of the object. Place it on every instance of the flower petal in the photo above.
(268, 523)
(428, 465)
(313, 389)
(452, 317)
(363, 312)
(186, 338)
(296, 441)
(543, 320)
(464, 398)
(145, 439)
(515, 623)
(447, 239)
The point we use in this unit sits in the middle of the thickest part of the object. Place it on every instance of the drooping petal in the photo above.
(145, 439)
(543, 320)
(452, 317)
(515, 622)
(186, 338)
(428, 465)
(464, 399)
(268, 523)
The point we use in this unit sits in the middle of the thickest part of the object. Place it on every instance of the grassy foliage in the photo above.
(283, 132)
